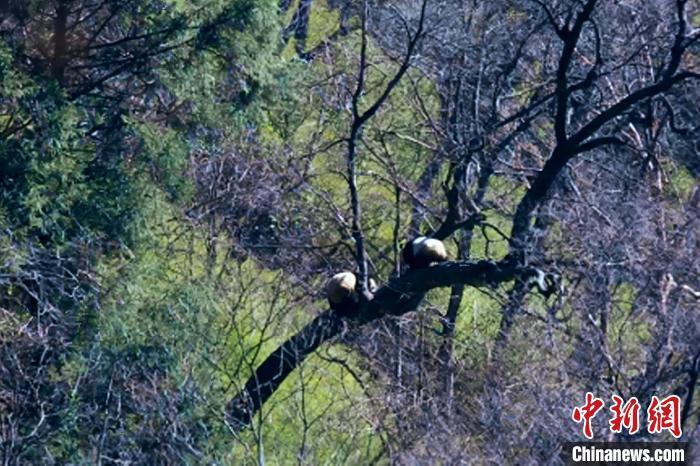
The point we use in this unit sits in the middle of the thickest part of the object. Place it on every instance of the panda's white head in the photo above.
(340, 286)
(431, 248)
(423, 251)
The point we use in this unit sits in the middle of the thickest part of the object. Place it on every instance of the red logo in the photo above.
(626, 415)
(587, 412)
(661, 415)
(665, 415)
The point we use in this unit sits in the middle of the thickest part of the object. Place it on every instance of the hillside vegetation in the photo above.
(178, 181)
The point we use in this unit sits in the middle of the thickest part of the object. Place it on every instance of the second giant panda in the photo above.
(423, 251)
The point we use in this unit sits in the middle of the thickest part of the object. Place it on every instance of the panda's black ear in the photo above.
(552, 283)
(406, 246)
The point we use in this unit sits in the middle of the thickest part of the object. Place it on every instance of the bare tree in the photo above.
(569, 97)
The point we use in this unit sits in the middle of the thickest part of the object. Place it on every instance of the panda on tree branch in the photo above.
(342, 294)
(342, 288)
(421, 252)
(400, 295)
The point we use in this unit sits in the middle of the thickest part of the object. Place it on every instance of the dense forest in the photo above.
(179, 181)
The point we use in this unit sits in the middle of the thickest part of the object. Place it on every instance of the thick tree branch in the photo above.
(570, 38)
(624, 104)
(401, 295)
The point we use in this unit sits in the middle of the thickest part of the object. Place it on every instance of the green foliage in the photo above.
(323, 22)
(489, 241)
(50, 187)
(681, 180)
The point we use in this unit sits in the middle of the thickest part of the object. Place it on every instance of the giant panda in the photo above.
(342, 294)
(423, 251)
(546, 283)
